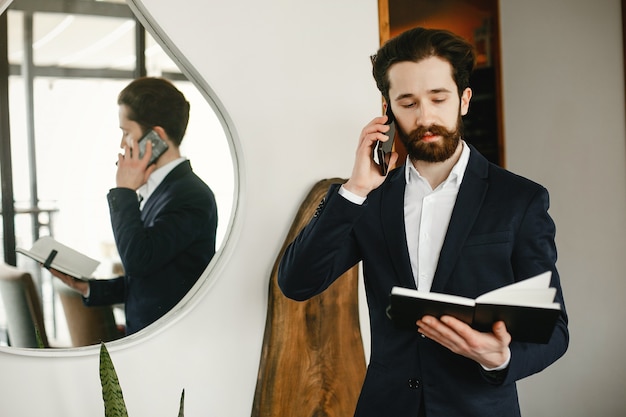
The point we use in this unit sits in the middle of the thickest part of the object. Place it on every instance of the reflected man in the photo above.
(164, 217)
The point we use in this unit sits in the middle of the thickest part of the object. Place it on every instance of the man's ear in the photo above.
(466, 96)
(160, 131)
(385, 106)
(162, 134)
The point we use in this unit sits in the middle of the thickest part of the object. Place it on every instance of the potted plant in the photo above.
(114, 405)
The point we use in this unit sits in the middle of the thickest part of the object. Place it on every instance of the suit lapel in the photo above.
(151, 205)
(468, 204)
(392, 217)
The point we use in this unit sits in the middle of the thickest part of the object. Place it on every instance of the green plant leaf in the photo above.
(114, 405)
(40, 343)
(181, 410)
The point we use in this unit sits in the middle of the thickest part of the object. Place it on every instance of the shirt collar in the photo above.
(456, 174)
(157, 177)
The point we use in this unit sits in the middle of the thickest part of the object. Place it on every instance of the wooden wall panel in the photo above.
(312, 361)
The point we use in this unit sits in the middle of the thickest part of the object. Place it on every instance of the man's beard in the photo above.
(438, 151)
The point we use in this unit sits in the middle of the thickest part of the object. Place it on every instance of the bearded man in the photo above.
(446, 221)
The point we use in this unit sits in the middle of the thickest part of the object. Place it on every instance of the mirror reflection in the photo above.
(73, 62)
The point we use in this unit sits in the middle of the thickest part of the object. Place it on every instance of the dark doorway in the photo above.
(478, 22)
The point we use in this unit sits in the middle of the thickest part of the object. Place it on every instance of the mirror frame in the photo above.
(222, 255)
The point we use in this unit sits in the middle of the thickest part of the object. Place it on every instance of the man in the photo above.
(447, 221)
(164, 217)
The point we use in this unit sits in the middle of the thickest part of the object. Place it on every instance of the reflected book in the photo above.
(53, 254)
(527, 308)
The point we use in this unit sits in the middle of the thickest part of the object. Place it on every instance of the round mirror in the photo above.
(65, 138)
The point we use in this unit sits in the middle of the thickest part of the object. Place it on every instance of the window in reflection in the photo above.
(81, 63)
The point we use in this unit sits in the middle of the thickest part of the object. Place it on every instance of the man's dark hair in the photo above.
(417, 44)
(156, 102)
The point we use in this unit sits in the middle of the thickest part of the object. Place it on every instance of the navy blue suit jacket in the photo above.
(500, 232)
(164, 248)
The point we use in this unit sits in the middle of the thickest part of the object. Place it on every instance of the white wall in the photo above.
(298, 73)
(564, 104)
(294, 79)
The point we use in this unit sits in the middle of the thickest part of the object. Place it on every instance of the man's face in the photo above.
(425, 101)
(131, 130)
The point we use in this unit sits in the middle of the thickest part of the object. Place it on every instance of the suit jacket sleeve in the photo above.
(536, 252)
(105, 292)
(147, 245)
(323, 250)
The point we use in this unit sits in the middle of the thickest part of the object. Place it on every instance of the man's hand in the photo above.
(80, 286)
(132, 171)
(366, 173)
(491, 350)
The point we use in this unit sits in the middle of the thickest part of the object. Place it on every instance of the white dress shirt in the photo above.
(427, 214)
(158, 175)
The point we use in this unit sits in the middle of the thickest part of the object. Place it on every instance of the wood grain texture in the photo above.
(312, 362)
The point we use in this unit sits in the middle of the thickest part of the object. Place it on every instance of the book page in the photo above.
(67, 260)
(434, 296)
(532, 292)
(529, 298)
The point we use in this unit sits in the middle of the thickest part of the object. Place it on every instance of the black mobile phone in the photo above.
(383, 149)
(158, 145)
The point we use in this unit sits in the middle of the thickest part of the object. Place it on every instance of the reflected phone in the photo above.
(383, 149)
(158, 145)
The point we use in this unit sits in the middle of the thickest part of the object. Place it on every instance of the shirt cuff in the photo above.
(353, 198)
(501, 367)
(86, 296)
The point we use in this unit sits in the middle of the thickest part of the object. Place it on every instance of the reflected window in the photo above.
(66, 70)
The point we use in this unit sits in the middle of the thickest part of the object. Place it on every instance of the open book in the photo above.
(527, 307)
(52, 254)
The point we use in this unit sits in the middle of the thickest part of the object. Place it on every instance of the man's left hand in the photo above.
(491, 350)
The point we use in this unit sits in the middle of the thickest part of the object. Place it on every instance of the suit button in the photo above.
(414, 383)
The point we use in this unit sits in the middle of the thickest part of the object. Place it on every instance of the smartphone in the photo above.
(158, 145)
(383, 149)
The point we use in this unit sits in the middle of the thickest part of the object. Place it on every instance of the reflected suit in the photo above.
(164, 247)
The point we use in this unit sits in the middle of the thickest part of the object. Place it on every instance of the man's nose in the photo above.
(425, 115)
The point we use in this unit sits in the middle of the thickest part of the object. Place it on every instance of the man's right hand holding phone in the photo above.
(366, 175)
(133, 171)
